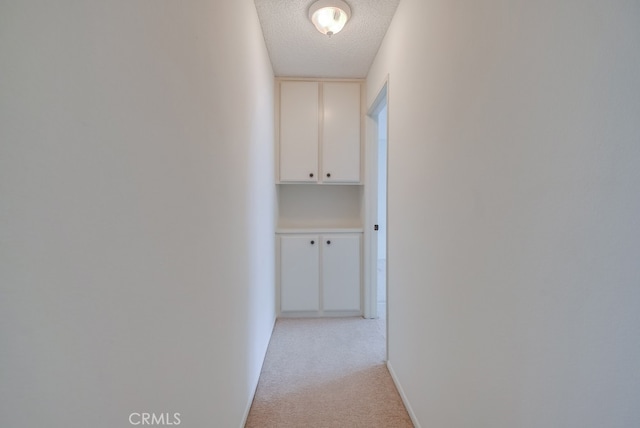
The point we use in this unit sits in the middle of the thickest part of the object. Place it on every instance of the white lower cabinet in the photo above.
(341, 272)
(299, 273)
(320, 273)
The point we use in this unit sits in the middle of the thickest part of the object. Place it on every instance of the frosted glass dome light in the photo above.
(329, 16)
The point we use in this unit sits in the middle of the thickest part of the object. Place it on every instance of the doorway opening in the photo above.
(377, 210)
(381, 211)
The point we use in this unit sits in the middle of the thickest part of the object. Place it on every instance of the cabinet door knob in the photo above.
(328, 174)
(311, 174)
(328, 242)
(313, 242)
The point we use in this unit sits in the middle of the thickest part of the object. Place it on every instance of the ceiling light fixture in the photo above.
(329, 16)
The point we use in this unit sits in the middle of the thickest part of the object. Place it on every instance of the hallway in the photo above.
(139, 211)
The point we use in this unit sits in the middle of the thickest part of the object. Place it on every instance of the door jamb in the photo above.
(371, 218)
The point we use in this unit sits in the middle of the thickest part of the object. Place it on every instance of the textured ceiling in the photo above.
(297, 49)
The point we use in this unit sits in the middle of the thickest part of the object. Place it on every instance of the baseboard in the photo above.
(255, 387)
(407, 405)
(319, 314)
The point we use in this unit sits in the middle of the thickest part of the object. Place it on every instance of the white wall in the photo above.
(514, 210)
(136, 213)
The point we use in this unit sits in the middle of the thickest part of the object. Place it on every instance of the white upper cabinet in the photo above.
(341, 133)
(299, 131)
(320, 126)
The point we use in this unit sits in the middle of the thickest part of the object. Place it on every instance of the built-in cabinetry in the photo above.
(320, 126)
(320, 273)
(320, 197)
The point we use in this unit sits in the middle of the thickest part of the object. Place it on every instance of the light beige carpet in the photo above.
(327, 372)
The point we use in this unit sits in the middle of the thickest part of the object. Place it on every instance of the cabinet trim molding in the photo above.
(320, 230)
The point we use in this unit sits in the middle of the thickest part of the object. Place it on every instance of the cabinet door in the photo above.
(341, 272)
(299, 273)
(299, 131)
(341, 133)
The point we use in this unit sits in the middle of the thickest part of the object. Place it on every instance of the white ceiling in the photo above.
(297, 49)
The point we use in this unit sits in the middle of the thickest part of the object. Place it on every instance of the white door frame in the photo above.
(371, 211)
